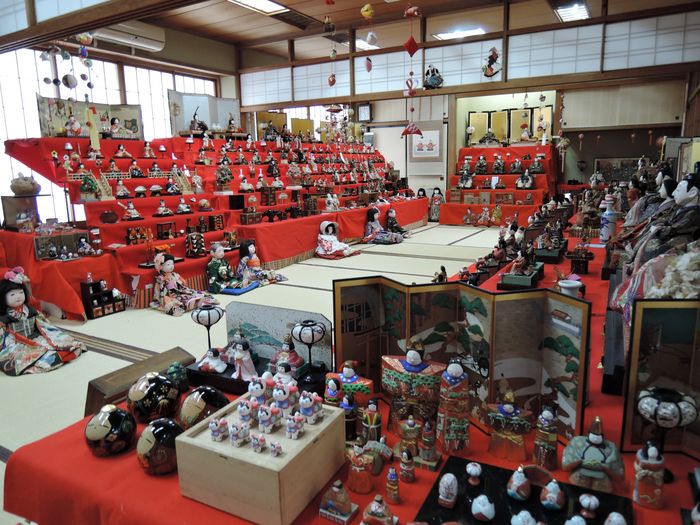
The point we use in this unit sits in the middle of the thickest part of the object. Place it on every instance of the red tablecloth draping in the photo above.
(509, 180)
(454, 213)
(537, 196)
(76, 487)
(59, 282)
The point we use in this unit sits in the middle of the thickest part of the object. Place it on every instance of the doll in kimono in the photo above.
(375, 233)
(220, 274)
(170, 291)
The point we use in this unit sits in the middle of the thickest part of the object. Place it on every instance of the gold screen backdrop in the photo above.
(302, 125)
(548, 116)
(499, 124)
(263, 117)
(480, 123)
(518, 117)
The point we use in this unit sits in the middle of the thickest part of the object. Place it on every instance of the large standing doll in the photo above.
(29, 344)
(436, 200)
(249, 269)
(170, 291)
(375, 232)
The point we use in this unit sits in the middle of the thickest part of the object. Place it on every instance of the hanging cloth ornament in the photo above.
(411, 129)
(650, 133)
(367, 12)
(330, 2)
(84, 38)
(333, 53)
(331, 79)
(371, 38)
(412, 12)
(328, 25)
(65, 55)
(368, 64)
(580, 141)
(69, 81)
(411, 46)
(542, 99)
(83, 52)
(492, 66)
(410, 85)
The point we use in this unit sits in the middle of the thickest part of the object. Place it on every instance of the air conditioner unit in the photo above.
(134, 34)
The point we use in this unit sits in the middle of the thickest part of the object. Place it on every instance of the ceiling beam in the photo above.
(87, 19)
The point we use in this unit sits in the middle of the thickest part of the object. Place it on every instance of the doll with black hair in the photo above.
(249, 269)
(29, 344)
(421, 194)
(328, 245)
(649, 477)
(375, 232)
(170, 291)
(436, 200)
(393, 225)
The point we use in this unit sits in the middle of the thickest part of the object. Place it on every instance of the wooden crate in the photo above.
(257, 486)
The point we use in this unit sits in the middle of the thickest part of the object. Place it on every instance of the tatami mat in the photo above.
(426, 251)
(385, 264)
(443, 235)
(301, 275)
(487, 238)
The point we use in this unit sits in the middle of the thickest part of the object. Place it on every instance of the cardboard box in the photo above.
(257, 486)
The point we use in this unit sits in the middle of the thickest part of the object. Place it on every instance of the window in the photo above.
(13, 16)
(103, 75)
(46, 9)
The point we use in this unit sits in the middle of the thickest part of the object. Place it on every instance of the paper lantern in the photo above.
(207, 316)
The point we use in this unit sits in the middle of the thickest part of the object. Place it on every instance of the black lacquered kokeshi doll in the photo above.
(156, 446)
(111, 431)
(200, 404)
(153, 396)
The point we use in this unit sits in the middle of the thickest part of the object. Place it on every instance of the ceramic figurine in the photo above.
(275, 449)
(245, 412)
(220, 274)
(474, 472)
(452, 423)
(332, 394)
(436, 200)
(350, 408)
(111, 431)
(519, 487)
(170, 291)
(156, 447)
(426, 446)
(593, 461)
(219, 429)
(294, 426)
(29, 343)
(409, 432)
(177, 373)
(408, 471)
(258, 442)
(522, 518)
(509, 424)
(482, 508)
(328, 245)
(694, 514)
(152, 396)
(545, 454)
(239, 433)
(552, 496)
(615, 518)
(283, 374)
(589, 504)
(375, 233)
(200, 404)
(260, 390)
(336, 505)
(392, 487)
(359, 478)
(377, 513)
(371, 422)
(311, 407)
(287, 354)
(575, 520)
(243, 362)
(447, 491)
(649, 477)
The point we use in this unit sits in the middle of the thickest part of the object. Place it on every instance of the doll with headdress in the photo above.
(28, 342)
(170, 291)
(249, 269)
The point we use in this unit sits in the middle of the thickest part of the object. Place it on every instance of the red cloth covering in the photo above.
(285, 239)
(509, 180)
(58, 282)
(536, 195)
(454, 213)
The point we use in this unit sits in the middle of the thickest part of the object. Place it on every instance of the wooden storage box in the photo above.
(257, 486)
(251, 218)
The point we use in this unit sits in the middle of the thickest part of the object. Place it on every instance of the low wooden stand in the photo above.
(257, 486)
(517, 282)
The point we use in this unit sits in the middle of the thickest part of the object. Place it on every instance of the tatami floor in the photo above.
(36, 406)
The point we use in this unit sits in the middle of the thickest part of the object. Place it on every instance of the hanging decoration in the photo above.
(331, 79)
(84, 38)
(525, 104)
(580, 141)
(411, 86)
(492, 66)
(371, 38)
(561, 115)
(412, 12)
(542, 100)
(633, 136)
(411, 129)
(328, 25)
(333, 53)
(367, 12)
(433, 78)
(651, 135)
(368, 64)
(597, 139)
(562, 146)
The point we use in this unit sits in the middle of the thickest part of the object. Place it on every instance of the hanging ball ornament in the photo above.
(47, 80)
(542, 98)
(331, 79)
(351, 112)
(56, 82)
(84, 38)
(90, 85)
(368, 64)
(65, 55)
(87, 63)
(83, 51)
(83, 76)
(367, 11)
(44, 56)
(69, 81)
(371, 38)
(333, 54)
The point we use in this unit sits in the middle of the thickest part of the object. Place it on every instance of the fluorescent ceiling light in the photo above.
(265, 7)
(570, 13)
(460, 33)
(362, 45)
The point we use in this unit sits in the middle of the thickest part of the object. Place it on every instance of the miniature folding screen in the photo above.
(214, 111)
(533, 342)
(664, 353)
(480, 122)
(265, 327)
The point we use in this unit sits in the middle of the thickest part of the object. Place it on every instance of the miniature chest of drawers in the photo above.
(268, 197)
(251, 218)
(258, 486)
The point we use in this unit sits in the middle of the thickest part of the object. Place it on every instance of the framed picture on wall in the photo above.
(364, 112)
(616, 168)
(427, 148)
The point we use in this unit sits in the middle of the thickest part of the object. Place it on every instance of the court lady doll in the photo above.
(436, 200)
(649, 477)
(249, 269)
(359, 478)
(28, 343)
(135, 172)
(375, 233)
(170, 291)
(288, 354)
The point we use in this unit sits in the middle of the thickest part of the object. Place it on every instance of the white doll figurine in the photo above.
(219, 429)
(245, 369)
(212, 362)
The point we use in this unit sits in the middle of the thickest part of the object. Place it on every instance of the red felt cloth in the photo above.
(454, 213)
(58, 282)
(536, 195)
(77, 488)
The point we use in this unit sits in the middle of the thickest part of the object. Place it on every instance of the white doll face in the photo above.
(168, 266)
(218, 252)
(596, 439)
(662, 192)
(455, 370)
(683, 195)
(413, 357)
(15, 298)
(251, 249)
(375, 216)
(348, 371)
(436, 192)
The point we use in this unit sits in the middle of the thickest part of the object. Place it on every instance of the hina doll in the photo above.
(409, 433)
(377, 513)
(426, 445)
(220, 274)
(332, 394)
(162, 210)
(649, 477)
(170, 291)
(135, 172)
(536, 166)
(437, 200)
(29, 344)
(593, 461)
(328, 245)
(243, 362)
(183, 207)
(447, 491)
(499, 167)
(245, 186)
(121, 152)
(509, 424)
(496, 215)
(516, 166)
(545, 454)
(336, 505)
(407, 467)
(371, 422)
(375, 233)
(452, 423)
(223, 175)
(130, 212)
(287, 354)
(481, 167)
(524, 182)
(249, 269)
(359, 478)
(350, 408)
(392, 487)
(393, 226)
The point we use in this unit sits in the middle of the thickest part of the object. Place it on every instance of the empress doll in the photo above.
(375, 233)
(436, 201)
(329, 247)
(170, 291)
(249, 269)
(29, 344)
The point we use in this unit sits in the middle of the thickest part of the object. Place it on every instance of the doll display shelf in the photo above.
(257, 486)
(493, 484)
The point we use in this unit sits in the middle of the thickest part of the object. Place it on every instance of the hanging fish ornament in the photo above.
(368, 64)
